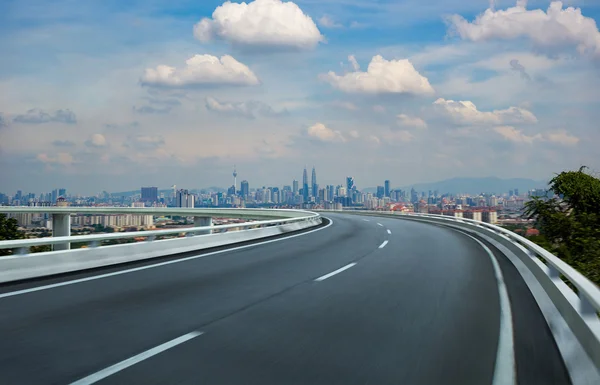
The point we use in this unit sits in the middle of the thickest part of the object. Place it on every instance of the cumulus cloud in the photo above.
(517, 136)
(408, 121)
(327, 22)
(260, 24)
(96, 141)
(201, 70)
(250, 109)
(63, 143)
(325, 134)
(38, 116)
(466, 113)
(553, 31)
(62, 158)
(382, 77)
(516, 66)
(563, 138)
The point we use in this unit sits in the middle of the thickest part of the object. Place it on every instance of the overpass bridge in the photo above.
(296, 297)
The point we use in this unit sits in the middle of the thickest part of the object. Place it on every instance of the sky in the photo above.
(113, 95)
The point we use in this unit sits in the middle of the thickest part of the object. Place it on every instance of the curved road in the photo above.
(364, 300)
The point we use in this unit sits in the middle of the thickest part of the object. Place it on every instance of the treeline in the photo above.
(570, 224)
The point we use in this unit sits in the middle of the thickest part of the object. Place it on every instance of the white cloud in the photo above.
(327, 22)
(62, 158)
(250, 109)
(512, 134)
(354, 134)
(379, 109)
(201, 70)
(353, 62)
(465, 112)
(408, 121)
(260, 23)
(556, 30)
(382, 76)
(325, 134)
(562, 137)
(96, 141)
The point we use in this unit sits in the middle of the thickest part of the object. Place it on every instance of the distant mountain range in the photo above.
(492, 185)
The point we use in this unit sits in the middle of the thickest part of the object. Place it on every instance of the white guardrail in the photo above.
(579, 308)
(24, 265)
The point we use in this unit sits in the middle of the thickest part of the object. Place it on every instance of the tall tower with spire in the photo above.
(305, 185)
(234, 180)
(314, 185)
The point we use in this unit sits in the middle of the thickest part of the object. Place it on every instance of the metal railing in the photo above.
(588, 293)
(22, 245)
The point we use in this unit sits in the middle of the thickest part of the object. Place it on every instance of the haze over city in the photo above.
(116, 95)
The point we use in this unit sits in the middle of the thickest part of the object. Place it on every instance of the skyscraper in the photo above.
(305, 191)
(244, 189)
(184, 199)
(315, 186)
(149, 194)
(349, 185)
(62, 192)
(380, 192)
(387, 188)
(295, 187)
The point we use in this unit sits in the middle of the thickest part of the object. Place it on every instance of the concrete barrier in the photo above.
(15, 268)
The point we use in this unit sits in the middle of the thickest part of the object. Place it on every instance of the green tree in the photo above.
(570, 225)
(9, 229)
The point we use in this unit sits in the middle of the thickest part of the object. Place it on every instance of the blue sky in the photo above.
(97, 95)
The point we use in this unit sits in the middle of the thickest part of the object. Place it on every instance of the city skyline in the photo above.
(132, 93)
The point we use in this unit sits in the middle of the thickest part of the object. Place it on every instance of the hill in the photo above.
(492, 185)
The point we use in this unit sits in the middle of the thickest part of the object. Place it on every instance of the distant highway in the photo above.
(365, 300)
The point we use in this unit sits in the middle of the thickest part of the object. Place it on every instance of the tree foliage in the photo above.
(570, 225)
(9, 229)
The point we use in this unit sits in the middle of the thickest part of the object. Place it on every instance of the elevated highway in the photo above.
(354, 300)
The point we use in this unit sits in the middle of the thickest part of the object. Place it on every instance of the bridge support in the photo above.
(203, 221)
(61, 227)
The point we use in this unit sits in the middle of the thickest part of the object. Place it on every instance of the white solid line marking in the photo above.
(383, 244)
(335, 272)
(93, 378)
(366, 220)
(389, 232)
(504, 371)
(380, 224)
(52, 286)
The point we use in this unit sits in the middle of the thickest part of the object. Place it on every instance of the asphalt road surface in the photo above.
(364, 300)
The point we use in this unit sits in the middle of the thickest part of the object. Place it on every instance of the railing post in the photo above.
(61, 227)
(202, 222)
